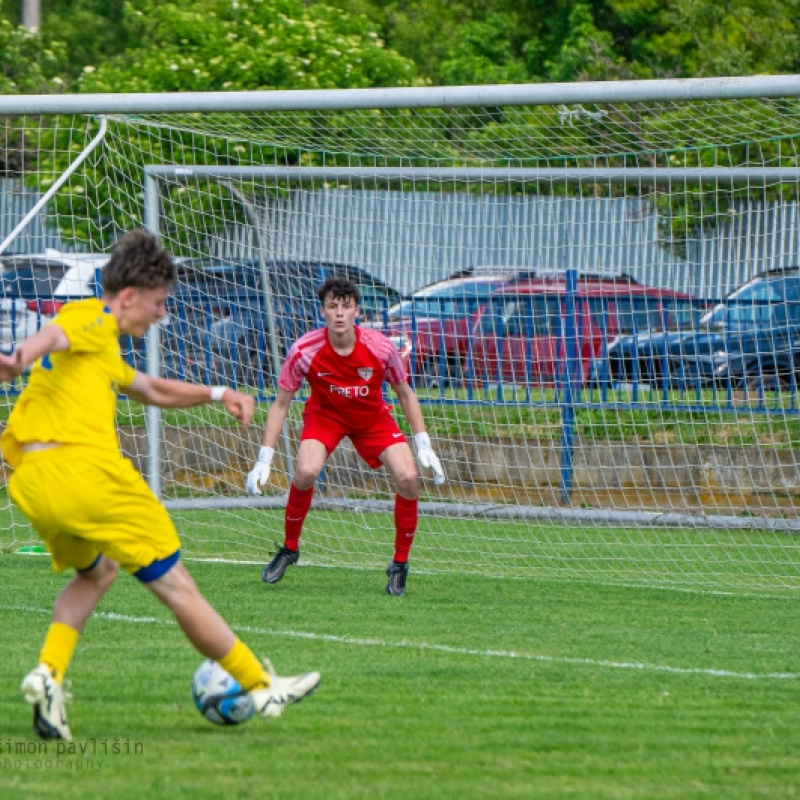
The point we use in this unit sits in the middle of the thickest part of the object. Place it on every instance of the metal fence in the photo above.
(411, 239)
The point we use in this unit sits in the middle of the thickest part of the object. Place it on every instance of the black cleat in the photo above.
(285, 557)
(397, 572)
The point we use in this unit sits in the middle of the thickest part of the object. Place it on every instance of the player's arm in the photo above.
(413, 413)
(276, 417)
(168, 393)
(49, 339)
(411, 408)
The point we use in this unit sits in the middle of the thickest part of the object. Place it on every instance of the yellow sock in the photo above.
(59, 645)
(245, 667)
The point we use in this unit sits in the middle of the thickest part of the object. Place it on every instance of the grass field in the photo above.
(468, 687)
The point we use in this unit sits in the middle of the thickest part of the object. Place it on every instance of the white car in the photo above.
(34, 287)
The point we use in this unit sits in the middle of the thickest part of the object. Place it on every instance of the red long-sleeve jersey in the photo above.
(346, 387)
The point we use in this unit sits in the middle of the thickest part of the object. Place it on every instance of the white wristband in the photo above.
(216, 393)
(265, 454)
(422, 441)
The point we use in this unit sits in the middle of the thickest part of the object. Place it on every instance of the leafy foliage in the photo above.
(27, 65)
(250, 44)
(219, 45)
(208, 46)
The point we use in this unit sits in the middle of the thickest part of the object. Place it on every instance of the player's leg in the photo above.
(205, 628)
(311, 456)
(73, 607)
(144, 542)
(385, 444)
(399, 461)
(43, 487)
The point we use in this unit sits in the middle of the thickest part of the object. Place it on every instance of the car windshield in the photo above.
(237, 289)
(452, 301)
(373, 301)
(636, 314)
(30, 283)
(510, 315)
(681, 312)
(540, 315)
(764, 303)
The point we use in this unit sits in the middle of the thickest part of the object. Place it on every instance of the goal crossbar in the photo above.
(642, 175)
(418, 97)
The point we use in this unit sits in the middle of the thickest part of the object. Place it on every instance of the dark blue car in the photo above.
(218, 329)
(750, 340)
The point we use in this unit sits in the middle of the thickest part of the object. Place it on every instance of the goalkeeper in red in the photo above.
(89, 505)
(345, 367)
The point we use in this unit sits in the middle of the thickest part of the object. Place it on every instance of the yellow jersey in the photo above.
(71, 395)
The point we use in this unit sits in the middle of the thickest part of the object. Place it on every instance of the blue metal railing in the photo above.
(468, 359)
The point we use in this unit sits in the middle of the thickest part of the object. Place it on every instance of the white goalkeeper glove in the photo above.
(427, 458)
(259, 475)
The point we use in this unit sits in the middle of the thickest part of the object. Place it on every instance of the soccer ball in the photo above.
(218, 697)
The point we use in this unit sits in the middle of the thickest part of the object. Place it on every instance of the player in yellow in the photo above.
(89, 505)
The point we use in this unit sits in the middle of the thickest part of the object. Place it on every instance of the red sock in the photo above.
(405, 526)
(296, 509)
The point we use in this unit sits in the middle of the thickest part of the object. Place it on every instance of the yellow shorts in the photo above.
(84, 501)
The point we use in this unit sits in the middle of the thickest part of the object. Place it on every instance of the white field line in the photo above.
(443, 648)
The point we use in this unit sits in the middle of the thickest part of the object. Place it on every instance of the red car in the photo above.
(518, 336)
(437, 321)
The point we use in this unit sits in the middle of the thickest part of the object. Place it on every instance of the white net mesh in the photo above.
(600, 408)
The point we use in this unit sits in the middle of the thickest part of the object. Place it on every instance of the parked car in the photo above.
(437, 320)
(519, 336)
(33, 287)
(750, 340)
(218, 329)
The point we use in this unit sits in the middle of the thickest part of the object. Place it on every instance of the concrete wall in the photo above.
(711, 479)
(641, 475)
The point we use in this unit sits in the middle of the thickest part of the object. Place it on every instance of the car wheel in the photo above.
(445, 374)
(768, 382)
(254, 368)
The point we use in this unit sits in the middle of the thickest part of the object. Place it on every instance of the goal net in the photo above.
(598, 302)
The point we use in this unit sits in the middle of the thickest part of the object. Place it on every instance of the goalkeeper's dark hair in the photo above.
(339, 288)
(138, 261)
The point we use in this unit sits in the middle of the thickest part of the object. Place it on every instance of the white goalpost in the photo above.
(607, 414)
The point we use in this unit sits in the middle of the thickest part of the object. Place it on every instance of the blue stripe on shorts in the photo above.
(157, 568)
(92, 565)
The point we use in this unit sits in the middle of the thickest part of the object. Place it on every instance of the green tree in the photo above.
(549, 40)
(587, 52)
(27, 66)
(92, 30)
(696, 39)
(215, 45)
(453, 41)
(201, 45)
(249, 44)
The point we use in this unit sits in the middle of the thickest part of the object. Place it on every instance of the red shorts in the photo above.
(369, 442)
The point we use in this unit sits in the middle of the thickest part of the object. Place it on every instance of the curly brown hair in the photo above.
(138, 261)
(339, 288)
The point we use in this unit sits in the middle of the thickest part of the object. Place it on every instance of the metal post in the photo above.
(266, 285)
(569, 381)
(151, 214)
(32, 14)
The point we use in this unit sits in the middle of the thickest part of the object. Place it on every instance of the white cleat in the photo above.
(47, 697)
(282, 692)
